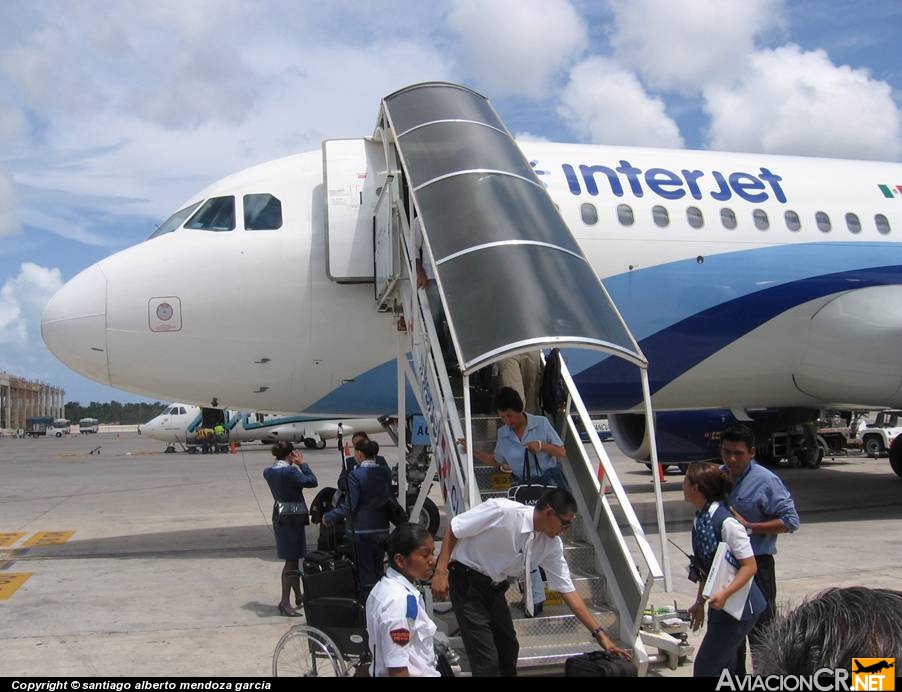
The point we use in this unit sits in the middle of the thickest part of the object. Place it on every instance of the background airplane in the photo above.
(760, 288)
(179, 424)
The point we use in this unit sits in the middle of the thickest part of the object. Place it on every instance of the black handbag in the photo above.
(292, 512)
(529, 493)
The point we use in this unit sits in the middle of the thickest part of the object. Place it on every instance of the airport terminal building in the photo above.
(21, 398)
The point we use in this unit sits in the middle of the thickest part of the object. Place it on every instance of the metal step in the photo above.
(559, 631)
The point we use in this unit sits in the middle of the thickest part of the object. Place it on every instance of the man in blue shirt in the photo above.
(763, 505)
(525, 437)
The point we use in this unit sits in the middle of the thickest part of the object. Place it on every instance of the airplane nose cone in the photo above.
(74, 324)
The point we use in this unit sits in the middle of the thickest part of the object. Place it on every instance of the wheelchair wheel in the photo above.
(306, 652)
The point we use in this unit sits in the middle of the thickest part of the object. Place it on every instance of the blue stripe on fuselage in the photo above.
(681, 313)
(613, 384)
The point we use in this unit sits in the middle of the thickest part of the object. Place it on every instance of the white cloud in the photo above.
(518, 48)
(22, 299)
(138, 109)
(9, 220)
(605, 104)
(679, 46)
(795, 102)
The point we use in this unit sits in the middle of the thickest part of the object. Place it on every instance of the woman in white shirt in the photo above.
(401, 633)
(706, 488)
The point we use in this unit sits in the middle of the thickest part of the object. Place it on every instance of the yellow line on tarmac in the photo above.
(10, 583)
(7, 539)
(48, 538)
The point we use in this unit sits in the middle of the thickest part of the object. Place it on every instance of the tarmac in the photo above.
(132, 562)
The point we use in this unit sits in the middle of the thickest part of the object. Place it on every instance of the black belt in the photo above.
(475, 575)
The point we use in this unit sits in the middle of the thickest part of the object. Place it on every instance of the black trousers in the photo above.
(486, 626)
(766, 579)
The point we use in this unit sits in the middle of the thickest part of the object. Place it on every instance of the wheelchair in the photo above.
(333, 642)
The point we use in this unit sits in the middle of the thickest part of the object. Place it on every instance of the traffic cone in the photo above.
(661, 472)
(347, 450)
(233, 447)
(605, 486)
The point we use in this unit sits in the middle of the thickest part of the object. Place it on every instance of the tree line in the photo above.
(114, 412)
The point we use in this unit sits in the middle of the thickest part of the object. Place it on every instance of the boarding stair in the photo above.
(499, 249)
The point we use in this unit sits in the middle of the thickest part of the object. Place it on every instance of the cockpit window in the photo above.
(217, 214)
(174, 221)
(262, 212)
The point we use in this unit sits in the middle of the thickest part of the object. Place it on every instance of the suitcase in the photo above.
(317, 561)
(599, 664)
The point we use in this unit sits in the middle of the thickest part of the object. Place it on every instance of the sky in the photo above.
(112, 113)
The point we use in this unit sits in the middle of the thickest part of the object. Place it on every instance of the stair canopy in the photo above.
(511, 276)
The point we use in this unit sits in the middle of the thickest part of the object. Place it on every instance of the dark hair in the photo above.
(359, 435)
(739, 433)
(508, 399)
(713, 483)
(281, 449)
(406, 538)
(369, 448)
(830, 629)
(559, 499)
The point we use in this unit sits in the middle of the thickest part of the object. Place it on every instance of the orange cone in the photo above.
(233, 447)
(604, 485)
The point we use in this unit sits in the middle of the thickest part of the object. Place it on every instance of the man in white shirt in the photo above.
(491, 542)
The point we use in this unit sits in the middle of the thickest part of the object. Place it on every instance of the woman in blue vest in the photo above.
(369, 491)
(706, 487)
(287, 478)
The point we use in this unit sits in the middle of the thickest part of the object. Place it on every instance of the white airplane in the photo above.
(180, 422)
(751, 282)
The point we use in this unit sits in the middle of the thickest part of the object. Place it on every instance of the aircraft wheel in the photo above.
(429, 517)
(321, 444)
(309, 443)
(895, 458)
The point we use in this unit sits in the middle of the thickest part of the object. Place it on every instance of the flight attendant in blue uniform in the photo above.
(287, 478)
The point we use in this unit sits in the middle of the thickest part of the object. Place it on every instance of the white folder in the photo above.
(720, 576)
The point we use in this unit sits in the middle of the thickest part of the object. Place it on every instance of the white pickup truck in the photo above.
(877, 437)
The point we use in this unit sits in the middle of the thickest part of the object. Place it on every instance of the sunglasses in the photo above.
(565, 523)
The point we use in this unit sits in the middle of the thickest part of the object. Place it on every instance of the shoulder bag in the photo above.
(292, 512)
(529, 493)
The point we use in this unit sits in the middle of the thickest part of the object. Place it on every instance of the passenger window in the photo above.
(882, 223)
(823, 221)
(589, 213)
(793, 223)
(728, 218)
(182, 411)
(761, 221)
(853, 223)
(625, 215)
(694, 217)
(217, 214)
(660, 215)
(262, 212)
(174, 221)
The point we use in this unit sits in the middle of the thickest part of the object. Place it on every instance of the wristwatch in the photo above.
(597, 630)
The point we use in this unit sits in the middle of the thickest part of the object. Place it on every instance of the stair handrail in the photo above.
(610, 475)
